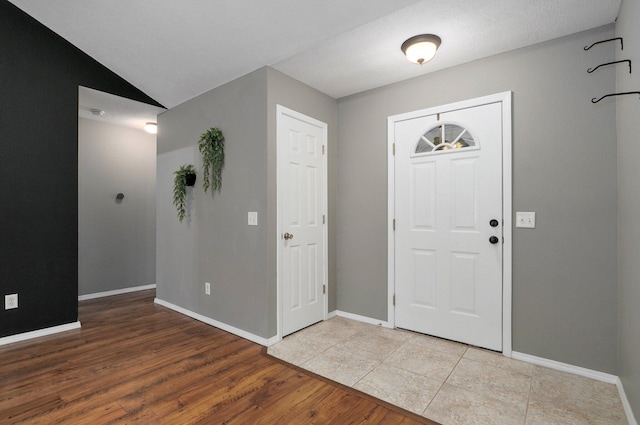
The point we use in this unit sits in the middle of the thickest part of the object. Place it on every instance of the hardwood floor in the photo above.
(134, 362)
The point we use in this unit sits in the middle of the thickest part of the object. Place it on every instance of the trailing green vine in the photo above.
(211, 146)
(186, 172)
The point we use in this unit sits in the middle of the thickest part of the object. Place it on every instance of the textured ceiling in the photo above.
(176, 50)
(117, 110)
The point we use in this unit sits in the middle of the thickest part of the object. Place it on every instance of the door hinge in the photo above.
(324, 219)
(394, 224)
(394, 299)
(324, 289)
(322, 149)
(393, 148)
(438, 117)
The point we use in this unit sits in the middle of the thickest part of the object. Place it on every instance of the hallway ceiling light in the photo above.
(421, 48)
(151, 128)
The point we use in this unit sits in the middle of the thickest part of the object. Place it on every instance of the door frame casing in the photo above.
(280, 112)
(505, 98)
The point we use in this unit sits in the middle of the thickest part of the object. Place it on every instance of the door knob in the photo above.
(494, 223)
(287, 236)
(494, 240)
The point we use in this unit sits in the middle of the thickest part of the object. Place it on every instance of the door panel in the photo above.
(448, 275)
(301, 205)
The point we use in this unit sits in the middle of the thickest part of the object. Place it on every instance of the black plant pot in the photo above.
(190, 179)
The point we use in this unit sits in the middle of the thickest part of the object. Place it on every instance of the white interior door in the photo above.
(302, 220)
(448, 236)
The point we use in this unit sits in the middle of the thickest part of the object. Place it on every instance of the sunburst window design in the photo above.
(445, 137)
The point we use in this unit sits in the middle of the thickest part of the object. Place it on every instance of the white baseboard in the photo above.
(581, 371)
(363, 319)
(115, 292)
(625, 403)
(39, 333)
(332, 314)
(565, 367)
(209, 321)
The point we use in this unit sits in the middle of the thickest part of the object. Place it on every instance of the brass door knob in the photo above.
(287, 236)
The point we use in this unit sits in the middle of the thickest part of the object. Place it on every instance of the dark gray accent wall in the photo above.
(565, 300)
(214, 244)
(39, 77)
(628, 112)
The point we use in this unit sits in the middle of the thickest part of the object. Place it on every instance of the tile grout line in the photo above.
(526, 410)
(445, 380)
(380, 362)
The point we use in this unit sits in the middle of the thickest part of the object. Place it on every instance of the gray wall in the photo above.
(628, 110)
(215, 244)
(116, 241)
(565, 301)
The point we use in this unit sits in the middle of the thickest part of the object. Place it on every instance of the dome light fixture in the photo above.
(421, 48)
(151, 128)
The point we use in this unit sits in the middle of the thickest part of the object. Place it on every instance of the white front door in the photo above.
(301, 146)
(449, 224)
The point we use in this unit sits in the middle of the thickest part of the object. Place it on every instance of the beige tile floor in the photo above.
(450, 383)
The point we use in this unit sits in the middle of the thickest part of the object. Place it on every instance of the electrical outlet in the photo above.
(207, 288)
(10, 301)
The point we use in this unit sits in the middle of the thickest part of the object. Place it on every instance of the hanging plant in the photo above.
(185, 176)
(211, 145)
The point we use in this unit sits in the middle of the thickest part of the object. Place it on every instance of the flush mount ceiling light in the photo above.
(151, 127)
(421, 48)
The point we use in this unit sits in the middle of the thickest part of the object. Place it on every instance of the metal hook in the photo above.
(590, 70)
(604, 41)
(614, 94)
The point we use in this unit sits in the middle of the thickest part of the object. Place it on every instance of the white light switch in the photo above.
(253, 218)
(526, 220)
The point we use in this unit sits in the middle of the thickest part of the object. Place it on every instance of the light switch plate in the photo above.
(253, 218)
(526, 220)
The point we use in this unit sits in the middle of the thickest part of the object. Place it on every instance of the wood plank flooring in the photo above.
(134, 362)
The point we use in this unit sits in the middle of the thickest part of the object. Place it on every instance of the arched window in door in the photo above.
(445, 137)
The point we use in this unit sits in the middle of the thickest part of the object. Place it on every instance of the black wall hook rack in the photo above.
(604, 41)
(595, 100)
(590, 70)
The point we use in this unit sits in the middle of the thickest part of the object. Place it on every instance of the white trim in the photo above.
(363, 319)
(332, 314)
(115, 292)
(507, 204)
(565, 367)
(391, 215)
(280, 111)
(625, 403)
(507, 222)
(581, 371)
(209, 321)
(39, 333)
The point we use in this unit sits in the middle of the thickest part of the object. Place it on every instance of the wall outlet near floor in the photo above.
(207, 288)
(10, 301)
